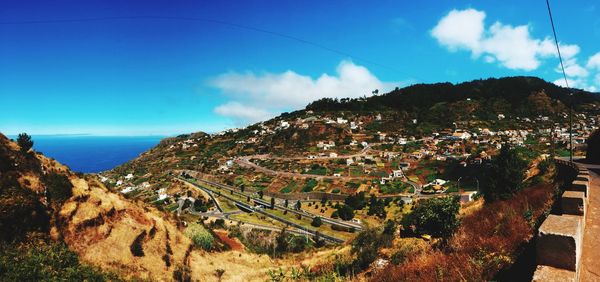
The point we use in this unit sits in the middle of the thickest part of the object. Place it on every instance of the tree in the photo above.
(376, 207)
(298, 205)
(436, 216)
(272, 203)
(365, 246)
(281, 242)
(504, 177)
(242, 188)
(285, 203)
(199, 206)
(24, 142)
(345, 212)
(316, 222)
(356, 201)
(260, 194)
(593, 149)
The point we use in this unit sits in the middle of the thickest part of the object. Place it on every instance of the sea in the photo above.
(92, 154)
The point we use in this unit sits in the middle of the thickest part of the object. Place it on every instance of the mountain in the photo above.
(417, 110)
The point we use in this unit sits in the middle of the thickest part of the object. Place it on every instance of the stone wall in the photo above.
(559, 238)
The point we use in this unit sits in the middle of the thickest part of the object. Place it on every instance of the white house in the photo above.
(397, 173)
(128, 176)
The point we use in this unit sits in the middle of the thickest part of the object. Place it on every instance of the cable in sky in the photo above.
(240, 26)
(557, 46)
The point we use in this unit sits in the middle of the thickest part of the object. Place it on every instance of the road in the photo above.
(346, 224)
(285, 221)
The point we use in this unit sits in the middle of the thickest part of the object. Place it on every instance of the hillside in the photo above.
(43, 203)
(415, 111)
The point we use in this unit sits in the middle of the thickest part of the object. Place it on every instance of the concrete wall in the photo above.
(559, 238)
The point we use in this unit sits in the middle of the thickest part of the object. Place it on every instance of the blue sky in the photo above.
(147, 76)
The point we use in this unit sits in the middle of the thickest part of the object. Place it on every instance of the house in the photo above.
(325, 145)
(417, 155)
(162, 194)
(466, 197)
(333, 155)
(341, 121)
(462, 135)
(404, 165)
(128, 176)
(337, 175)
(119, 182)
(398, 173)
(349, 161)
(501, 117)
(127, 189)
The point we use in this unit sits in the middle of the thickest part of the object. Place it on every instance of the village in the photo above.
(314, 179)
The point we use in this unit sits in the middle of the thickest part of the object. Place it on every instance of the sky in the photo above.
(171, 67)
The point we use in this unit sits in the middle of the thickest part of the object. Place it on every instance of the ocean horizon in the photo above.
(90, 153)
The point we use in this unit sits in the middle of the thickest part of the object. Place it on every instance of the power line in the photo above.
(556, 42)
(240, 26)
(566, 84)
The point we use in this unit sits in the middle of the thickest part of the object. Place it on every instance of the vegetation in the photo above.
(436, 216)
(504, 177)
(487, 241)
(593, 150)
(58, 188)
(316, 222)
(42, 260)
(24, 142)
(200, 236)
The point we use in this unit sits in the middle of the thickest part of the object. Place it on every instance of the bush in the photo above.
(436, 217)
(201, 237)
(316, 222)
(58, 187)
(593, 149)
(42, 260)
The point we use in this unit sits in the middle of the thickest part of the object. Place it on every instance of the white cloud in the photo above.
(511, 46)
(594, 61)
(573, 69)
(257, 96)
(242, 113)
(460, 30)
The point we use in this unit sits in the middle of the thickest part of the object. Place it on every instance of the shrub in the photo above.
(593, 149)
(316, 222)
(42, 260)
(436, 217)
(58, 187)
(200, 236)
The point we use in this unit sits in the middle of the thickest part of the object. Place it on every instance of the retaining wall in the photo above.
(560, 237)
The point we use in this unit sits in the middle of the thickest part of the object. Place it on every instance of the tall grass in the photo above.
(487, 241)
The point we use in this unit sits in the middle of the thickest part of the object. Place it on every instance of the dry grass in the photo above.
(487, 241)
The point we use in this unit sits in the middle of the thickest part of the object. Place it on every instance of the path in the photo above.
(590, 262)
